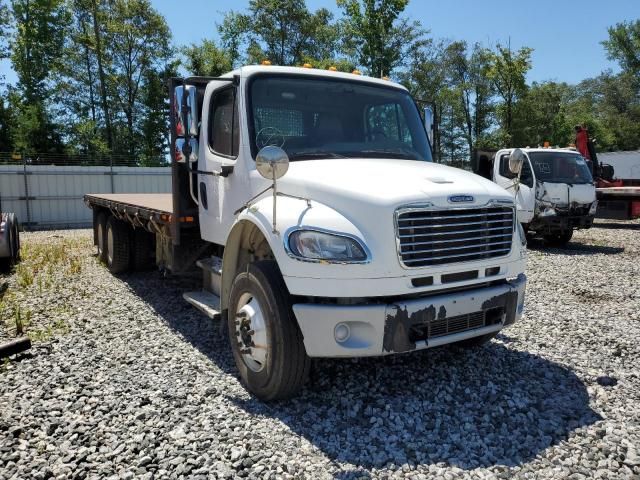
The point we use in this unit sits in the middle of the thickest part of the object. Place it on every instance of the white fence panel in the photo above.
(52, 195)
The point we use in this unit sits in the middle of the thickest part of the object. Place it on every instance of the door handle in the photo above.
(203, 196)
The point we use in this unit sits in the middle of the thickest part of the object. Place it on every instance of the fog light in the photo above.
(342, 332)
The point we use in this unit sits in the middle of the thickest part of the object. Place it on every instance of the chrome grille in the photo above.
(436, 237)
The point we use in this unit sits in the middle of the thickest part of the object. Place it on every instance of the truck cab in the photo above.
(323, 228)
(554, 192)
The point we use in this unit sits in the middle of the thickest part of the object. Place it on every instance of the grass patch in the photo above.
(46, 265)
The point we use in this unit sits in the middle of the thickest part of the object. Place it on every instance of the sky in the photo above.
(565, 35)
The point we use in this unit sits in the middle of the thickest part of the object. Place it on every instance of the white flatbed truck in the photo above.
(309, 200)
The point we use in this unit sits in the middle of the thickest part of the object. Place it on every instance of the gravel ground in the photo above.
(126, 380)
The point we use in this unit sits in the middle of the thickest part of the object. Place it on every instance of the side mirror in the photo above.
(186, 150)
(428, 123)
(272, 162)
(186, 124)
(516, 160)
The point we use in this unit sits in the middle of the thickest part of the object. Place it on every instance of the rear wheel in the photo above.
(264, 334)
(118, 245)
(101, 236)
(559, 239)
(13, 239)
(142, 253)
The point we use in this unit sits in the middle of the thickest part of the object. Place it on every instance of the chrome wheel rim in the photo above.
(251, 333)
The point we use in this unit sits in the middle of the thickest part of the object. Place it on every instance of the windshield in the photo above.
(314, 118)
(560, 167)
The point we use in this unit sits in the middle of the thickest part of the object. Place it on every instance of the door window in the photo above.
(526, 176)
(223, 127)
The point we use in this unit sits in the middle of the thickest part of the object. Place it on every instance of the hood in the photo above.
(563, 194)
(386, 182)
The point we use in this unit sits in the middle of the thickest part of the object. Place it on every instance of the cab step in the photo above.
(206, 302)
(211, 274)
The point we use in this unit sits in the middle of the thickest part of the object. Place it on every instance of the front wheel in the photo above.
(559, 239)
(264, 334)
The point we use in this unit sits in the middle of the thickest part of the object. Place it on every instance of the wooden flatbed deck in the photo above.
(158, 203)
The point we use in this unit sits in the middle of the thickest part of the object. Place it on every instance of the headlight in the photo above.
(594, 207)
(319, 246)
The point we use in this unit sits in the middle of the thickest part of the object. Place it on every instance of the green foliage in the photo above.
(92, 75)
(624, 46)
(282, 31)
(37, 45)
(376, 37)
(508, 72)
(5, 22)
(206, 59)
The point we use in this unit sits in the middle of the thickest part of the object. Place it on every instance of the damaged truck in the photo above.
(554, 192)
(310, 201)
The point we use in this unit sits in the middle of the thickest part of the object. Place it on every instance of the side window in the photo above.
(526, 177)
(387, 121)
(223, 123)
(504, 167)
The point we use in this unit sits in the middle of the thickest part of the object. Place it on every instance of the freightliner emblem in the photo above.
(461, 198)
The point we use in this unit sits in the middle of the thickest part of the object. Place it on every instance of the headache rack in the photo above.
(427, 237)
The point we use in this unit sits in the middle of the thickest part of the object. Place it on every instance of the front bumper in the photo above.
(406, 325)
(556, 223)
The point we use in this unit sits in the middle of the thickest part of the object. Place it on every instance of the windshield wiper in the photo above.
(389, 152)
(315, 154)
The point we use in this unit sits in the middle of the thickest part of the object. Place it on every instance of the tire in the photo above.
(559, 239)
(142, 253)
(101, 236)
(279, 370)
(476, 341)
(118, 245)
(6, 264)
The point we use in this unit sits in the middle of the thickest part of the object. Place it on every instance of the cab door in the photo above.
(219, 150)
(523, 190)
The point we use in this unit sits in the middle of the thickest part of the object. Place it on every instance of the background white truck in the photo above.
(322, 227)
(554, 192)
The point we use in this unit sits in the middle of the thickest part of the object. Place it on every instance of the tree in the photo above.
(375, 35)
(282, 31)
(206, 59)
(624, 46)
(138, 42)
(508, 72)
(541, 116)
(37, 44)
(36, 47)
(154, 128)
(426, 79)
(5, 22)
